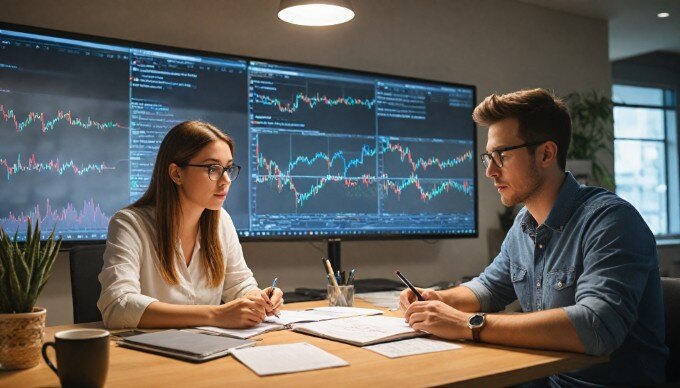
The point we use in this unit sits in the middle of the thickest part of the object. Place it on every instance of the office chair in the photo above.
(671, 301)
(85, 264)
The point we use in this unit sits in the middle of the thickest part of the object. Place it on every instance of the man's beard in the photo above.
(534, 187)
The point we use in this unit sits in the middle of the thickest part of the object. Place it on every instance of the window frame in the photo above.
(669, 104)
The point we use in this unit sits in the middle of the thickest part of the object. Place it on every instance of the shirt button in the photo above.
(559, 284)
(538, 284)
(540, 246)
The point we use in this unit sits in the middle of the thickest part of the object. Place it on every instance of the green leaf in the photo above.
(24, 270)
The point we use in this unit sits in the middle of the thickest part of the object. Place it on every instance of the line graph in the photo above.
(48, 124)
(54, 166)
(291, 178)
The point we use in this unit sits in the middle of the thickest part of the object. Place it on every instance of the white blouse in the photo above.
(130, 280)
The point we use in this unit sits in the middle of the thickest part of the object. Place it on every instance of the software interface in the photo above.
(323, 151)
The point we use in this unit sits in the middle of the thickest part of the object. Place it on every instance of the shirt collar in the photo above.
(562, 208)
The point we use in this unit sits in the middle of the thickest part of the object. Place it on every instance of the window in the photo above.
(646, 154)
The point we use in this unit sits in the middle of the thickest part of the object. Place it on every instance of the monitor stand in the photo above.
(334, 253)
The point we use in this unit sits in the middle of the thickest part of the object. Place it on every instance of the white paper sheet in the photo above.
(243, 333)
(412, 347)
(287, 358)
(319, 314)
(387, 299)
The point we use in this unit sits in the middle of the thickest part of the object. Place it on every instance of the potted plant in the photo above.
(24, 270)
(591, 119)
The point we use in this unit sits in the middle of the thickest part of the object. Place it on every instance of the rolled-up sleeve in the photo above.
(493, 287)
(121, 302)
(238, 277)
(619, 254)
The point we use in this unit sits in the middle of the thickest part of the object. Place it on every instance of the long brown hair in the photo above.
(181, 143)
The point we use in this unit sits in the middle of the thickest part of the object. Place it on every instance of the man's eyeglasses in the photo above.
(215, 171)
(497, 155)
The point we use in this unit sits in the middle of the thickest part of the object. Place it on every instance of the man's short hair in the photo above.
(541, 115)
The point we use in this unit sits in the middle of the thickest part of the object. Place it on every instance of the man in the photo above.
(580, 260)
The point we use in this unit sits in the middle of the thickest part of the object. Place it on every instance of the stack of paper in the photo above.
(243, 333)
(360, 331)
(387, 299)
(288, 358)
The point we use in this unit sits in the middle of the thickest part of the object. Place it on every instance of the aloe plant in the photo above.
(24, 268)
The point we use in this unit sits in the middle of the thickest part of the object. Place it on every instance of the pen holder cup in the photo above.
(342, 296)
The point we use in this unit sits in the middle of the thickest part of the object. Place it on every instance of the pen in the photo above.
(409, 285)
(350, 279)
(270, 293)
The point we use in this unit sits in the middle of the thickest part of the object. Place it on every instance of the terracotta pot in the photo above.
(21, 337)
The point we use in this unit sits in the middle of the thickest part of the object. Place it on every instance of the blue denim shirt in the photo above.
(596, 258)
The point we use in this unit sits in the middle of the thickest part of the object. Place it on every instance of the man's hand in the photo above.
(439, 319)
(407, 296)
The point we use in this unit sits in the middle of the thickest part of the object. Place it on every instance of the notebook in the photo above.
(360, 331)
(288, 317)
(185, 345)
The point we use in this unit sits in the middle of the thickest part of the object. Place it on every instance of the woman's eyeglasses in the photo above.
(215, 171)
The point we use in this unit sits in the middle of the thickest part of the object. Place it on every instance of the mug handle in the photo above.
(47, 359)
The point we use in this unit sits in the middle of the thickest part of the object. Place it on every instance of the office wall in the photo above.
(499, 46)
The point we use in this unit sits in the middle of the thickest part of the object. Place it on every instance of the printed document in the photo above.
(412, 347)
(287, 358)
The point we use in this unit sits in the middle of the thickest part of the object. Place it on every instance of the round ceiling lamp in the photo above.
(316, 12)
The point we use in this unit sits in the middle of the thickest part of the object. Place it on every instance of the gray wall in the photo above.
(499, 46)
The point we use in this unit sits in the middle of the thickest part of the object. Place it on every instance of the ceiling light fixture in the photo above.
(316, 12)
(663, 14)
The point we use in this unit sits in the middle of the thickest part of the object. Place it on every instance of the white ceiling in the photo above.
(634, 28)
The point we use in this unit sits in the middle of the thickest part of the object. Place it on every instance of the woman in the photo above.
(173, 256)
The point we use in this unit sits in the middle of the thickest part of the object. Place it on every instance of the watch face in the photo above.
(476, 320)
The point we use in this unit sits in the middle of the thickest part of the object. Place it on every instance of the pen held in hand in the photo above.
(270, 293)
(409, 285)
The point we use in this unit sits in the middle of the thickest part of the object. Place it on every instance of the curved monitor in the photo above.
(324, 152)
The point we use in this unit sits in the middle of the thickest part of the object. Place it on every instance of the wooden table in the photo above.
(477, 365)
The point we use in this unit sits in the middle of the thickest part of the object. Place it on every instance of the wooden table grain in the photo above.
(474, 365)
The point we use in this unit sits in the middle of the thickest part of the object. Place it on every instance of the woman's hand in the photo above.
(273, 304)
(241, 313)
